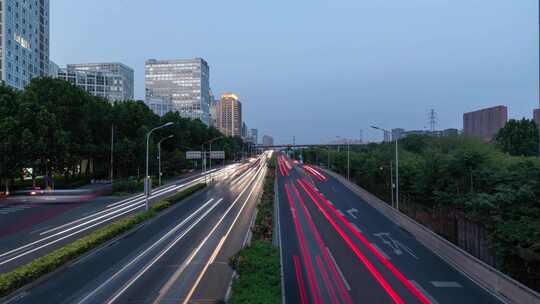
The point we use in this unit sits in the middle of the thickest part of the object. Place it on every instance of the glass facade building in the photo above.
(101, 84)
(24, 40)
(185, 81)
(114, 81)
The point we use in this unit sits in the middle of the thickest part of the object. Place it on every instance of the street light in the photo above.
(147, 178)
(397, 166)
(159, 155)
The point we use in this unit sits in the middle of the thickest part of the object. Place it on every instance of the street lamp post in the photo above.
(146, 177)
(159, 156)
(397, 165)
(348, 160)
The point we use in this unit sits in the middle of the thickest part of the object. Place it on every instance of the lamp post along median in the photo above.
(147, 177)
(159, 156)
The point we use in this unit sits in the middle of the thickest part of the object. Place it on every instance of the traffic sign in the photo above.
(193, 155)
(217, 155)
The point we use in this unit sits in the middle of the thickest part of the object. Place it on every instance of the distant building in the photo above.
(485, 123)
(186, 81)
(244, 131)
(112, 81)
(53, 69)
(118, 78)
(24, 47)
(536, 116)
(450, 132)
(160, 105)
(229, 115)
(267, 140)
(254, 134)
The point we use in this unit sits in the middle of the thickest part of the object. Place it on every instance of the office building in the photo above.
(54, 69)
(213, 112)
(267, 140)
(536, 116)
(485, 123)
(254, 135)
(113, 81)
(244, 131)
(186, 81)
(160, 105)
(229, 115)
(24, 28)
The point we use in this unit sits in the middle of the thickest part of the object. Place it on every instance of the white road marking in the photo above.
(173, 230)
(386, 256)
(340, 212)
(356, 227)
(422, 290)
(218, 248)
(330, 202)
(339, 270)
(446, 284)
(352, 211)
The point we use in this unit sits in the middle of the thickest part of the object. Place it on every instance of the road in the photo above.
(179, 257)
(29, 231)
(336, 248)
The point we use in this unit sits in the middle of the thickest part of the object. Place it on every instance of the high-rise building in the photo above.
(159, 104)
(24, 27)
(267, 140)
(114, 81)
(229, 115)
(536, 116)
(485, 123)
(213, 112)
(254, 134)
(244, 130)
(185, 81)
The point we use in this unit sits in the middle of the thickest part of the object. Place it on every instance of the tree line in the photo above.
(494, 184)
(58, 129)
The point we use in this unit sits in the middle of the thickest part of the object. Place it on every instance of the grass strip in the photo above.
(258, 265)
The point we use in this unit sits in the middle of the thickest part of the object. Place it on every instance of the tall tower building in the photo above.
(25, 41)
(185, 81)
(229, 115)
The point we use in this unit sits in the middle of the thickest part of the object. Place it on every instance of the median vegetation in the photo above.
(30, 272)
(258, 265)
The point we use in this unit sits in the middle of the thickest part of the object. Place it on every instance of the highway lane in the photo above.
(32, 242)
(166, 257)
(377, 261)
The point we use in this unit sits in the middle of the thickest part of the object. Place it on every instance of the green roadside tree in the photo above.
(518, 138)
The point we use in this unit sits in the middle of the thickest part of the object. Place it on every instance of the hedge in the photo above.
(259, 281)
(258, 265)
(28, 273)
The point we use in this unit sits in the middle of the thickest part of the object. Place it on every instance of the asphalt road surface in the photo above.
(336, 248)
(179, 257)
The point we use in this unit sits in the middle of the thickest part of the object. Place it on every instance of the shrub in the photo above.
(258, 267)
(128, 186)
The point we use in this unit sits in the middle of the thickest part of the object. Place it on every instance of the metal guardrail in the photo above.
(492, 280)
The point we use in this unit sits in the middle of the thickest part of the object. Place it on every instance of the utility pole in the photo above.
(432, 120)
(392, 183)
(348, 159)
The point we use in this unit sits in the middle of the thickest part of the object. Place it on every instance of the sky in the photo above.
(320, 69)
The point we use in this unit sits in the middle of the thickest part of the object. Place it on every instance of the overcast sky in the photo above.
(319, 69)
